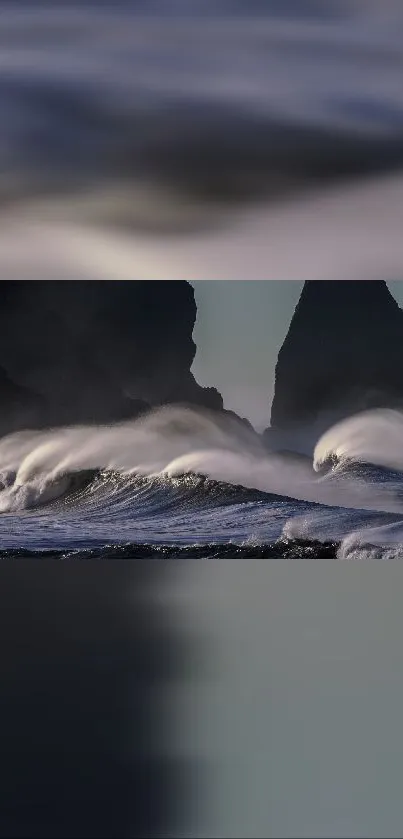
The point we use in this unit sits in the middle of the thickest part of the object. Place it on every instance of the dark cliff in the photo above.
(95, 352)
(343, 353)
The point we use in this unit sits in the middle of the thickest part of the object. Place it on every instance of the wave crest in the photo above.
(182, 477)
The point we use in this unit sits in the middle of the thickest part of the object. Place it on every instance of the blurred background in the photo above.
(196, 698)
(201, 139)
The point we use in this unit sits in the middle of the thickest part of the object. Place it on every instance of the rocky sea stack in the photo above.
(96, 352)
(343, 353)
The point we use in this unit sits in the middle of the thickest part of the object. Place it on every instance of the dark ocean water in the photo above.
(179, 483)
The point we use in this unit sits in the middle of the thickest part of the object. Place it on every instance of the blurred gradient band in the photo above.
(184, 139)
(249, 698)
(90, 651)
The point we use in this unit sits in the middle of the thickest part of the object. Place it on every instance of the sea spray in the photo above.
(374, 436)
(174, 441)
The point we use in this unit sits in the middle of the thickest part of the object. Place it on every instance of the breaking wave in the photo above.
(181, 482)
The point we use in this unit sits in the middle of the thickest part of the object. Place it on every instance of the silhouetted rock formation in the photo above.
(343, 353)
(19, 406)
(96, 352)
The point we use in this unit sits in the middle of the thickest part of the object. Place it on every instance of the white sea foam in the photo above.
(173, 441)
(374, 436)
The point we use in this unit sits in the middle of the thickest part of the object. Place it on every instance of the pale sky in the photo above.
(239, 330)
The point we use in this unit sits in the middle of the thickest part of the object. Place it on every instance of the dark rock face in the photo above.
(19, 406)
(343, 353)
(96, 352)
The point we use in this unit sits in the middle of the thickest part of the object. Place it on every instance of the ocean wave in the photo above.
(186, 480)
(172, 442)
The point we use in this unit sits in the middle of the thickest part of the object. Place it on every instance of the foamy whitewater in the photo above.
(179, 482)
